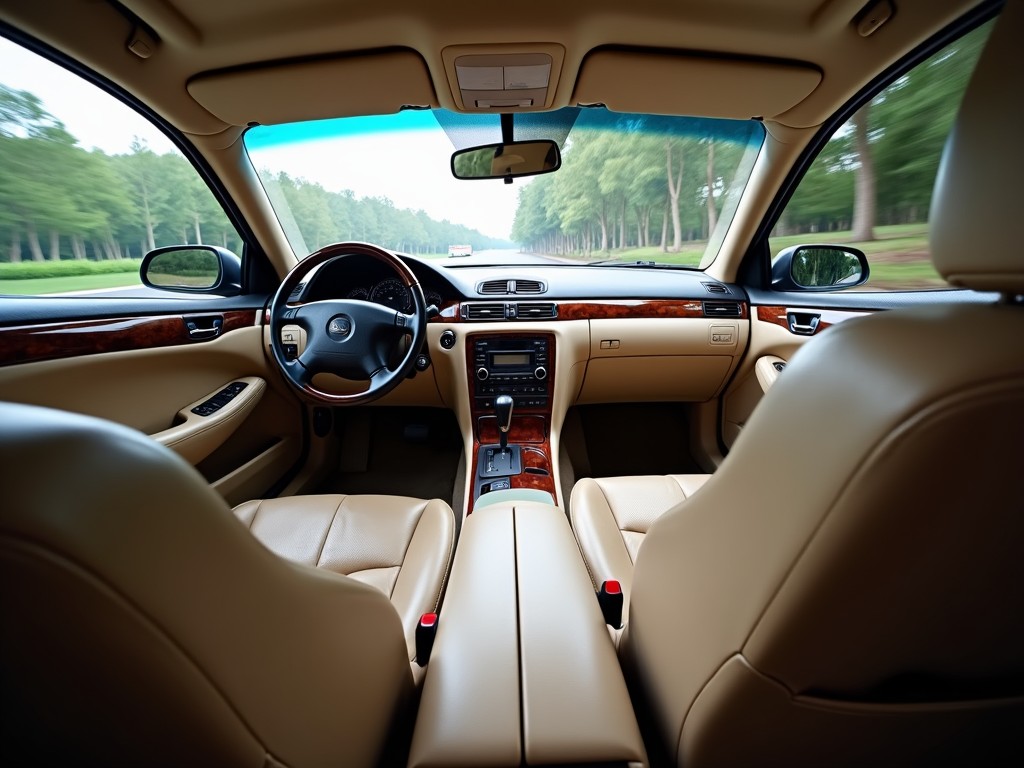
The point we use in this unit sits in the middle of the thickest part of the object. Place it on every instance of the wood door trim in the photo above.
(778, 315)
(54, 341)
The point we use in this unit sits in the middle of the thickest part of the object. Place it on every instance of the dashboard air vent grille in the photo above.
(528, 286)
(509, 287)
(722, 309)
(484, 311)
(495, 286)
(528, 311)
(715, 288)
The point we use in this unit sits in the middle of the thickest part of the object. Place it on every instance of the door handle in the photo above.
(201, 328)
(803, 323)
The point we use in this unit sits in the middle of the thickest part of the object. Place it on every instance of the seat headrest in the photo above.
(976, 206)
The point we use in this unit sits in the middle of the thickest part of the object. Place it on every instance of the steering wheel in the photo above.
(347, 337)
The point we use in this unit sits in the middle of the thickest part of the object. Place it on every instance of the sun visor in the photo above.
(685, 84)
(361, 84)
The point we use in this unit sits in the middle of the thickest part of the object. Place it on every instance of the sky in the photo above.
(411, 169)
(111, 127)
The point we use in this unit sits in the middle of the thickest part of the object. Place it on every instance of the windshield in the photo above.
(631, 187)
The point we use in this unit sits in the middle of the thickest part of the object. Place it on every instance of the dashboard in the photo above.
(622, 333)
(445, 284)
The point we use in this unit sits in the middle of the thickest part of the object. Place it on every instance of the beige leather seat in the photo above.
(400, 545)
(142, 625)
(611, 516)
(848, 588)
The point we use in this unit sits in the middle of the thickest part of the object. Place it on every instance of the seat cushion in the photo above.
(400, 545)
(611, 516)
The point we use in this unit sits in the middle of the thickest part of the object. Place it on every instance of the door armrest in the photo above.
(202, 426)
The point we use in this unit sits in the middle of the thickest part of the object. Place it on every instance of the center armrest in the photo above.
(523, 669)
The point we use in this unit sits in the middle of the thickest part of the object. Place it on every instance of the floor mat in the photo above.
(636, 439)
(398, 451)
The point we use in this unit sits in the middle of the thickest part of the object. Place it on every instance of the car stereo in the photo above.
(514, 366)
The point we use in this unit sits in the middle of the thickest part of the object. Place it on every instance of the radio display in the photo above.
(511, 358)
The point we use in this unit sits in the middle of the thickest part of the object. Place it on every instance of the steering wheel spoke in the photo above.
(405, 323)
(301, 374)
(351, 338)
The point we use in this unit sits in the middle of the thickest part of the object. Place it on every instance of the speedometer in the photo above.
(392, 293)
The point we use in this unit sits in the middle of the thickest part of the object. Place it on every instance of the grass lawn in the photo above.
(898, 256)
(42, 285)
(897, 237)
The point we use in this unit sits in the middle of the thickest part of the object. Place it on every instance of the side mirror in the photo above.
(507, 161)
(193, 269)
(819, 268)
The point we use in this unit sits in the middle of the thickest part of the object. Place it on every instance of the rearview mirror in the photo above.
(819, 268)
(193, 269)
(507, 161)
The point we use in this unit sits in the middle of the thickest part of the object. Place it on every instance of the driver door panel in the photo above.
(148, 371)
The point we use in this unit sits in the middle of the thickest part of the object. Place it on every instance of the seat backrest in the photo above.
(143, 625)
(848, 588)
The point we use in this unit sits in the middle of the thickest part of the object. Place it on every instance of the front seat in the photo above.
(400, 545)
(848, 587)
(143, 625)
(612, 515)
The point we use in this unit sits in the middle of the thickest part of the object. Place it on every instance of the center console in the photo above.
(512, 389)
(523, 670)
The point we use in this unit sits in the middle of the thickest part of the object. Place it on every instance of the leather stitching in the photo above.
(327, 532)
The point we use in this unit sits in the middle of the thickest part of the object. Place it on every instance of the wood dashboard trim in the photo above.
(54, 341)
(599, 309)
(536, 474)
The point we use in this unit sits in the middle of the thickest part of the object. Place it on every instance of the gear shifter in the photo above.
(503, 409)
(500, 461)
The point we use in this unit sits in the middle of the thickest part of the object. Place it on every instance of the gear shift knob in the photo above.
(503, 409)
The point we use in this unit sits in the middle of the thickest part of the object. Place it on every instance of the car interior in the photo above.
(571, 495)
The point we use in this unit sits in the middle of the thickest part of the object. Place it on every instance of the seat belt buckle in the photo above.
(609, 597)
(426, 630)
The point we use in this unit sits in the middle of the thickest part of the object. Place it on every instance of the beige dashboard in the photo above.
(613, 351)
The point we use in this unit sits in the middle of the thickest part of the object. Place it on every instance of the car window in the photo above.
(871, 185)
(89, 186)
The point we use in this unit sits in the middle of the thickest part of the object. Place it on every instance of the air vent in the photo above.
(510, 287)
(528, 311)
(528, 286)
(722, 309)
(484, 311)
(715, 288)
(495, 286)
